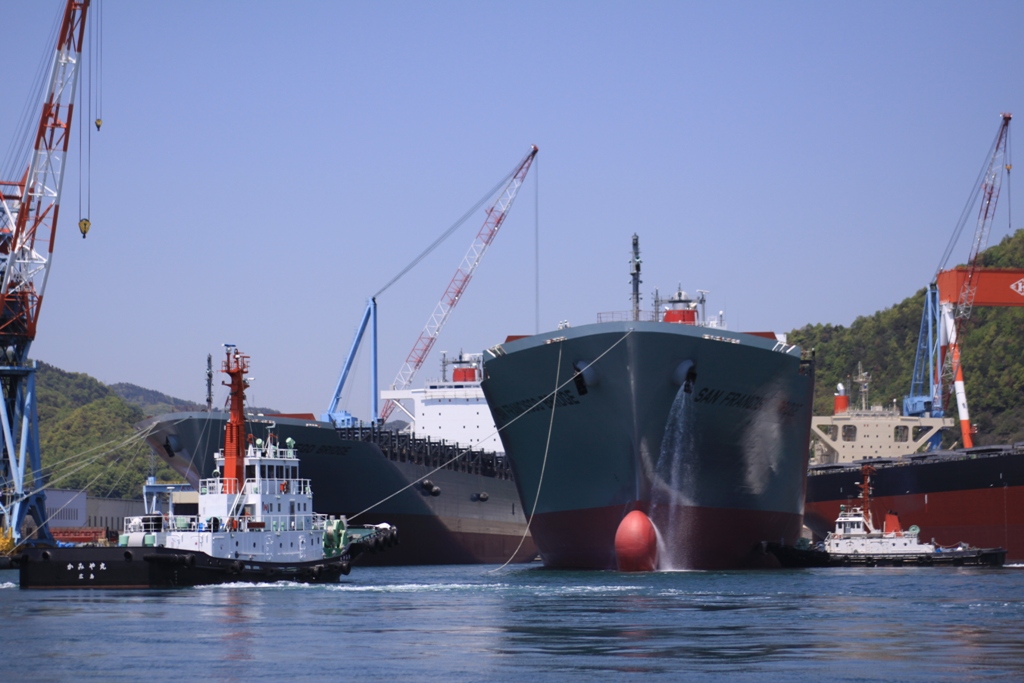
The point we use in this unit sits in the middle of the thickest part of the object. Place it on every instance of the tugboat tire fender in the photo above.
(184, 559)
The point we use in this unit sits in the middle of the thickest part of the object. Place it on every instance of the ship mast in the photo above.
(865, 494)
(863, 380)
(235, 365)
(634, 271)
(209, 382)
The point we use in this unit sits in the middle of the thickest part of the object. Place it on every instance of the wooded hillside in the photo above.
(84, 427)
(885, 342)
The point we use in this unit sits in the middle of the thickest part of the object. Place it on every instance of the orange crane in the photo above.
(496, 214)
(29, 208)
(954, 316)
(954, 293)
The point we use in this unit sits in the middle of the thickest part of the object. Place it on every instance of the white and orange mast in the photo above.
(958, 294)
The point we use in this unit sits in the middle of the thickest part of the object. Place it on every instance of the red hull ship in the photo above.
(974, 495)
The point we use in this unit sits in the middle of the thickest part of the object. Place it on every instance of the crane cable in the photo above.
(446, 234)
(1009, 167)
(85, 462)
(93, 82)
(98, 24)
(972, 198)
(52, 512)
(21, 142)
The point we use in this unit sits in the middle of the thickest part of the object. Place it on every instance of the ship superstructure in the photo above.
(869, 432)
(452, 410)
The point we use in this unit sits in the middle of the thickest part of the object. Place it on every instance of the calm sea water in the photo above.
(465, 623)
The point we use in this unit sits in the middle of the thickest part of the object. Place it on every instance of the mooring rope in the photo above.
(139, 436)
(124, 443)
(92, 481)
(543, 464)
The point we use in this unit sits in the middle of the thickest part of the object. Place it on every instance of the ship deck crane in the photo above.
(28, 226)
(954, 293)
(495, 217)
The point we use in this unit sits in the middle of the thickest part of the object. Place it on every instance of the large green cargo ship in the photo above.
(704, 430)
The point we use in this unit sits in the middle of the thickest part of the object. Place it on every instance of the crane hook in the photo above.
(99, 122)
(83, 226)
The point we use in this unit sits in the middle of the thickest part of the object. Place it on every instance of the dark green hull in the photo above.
(705, 430)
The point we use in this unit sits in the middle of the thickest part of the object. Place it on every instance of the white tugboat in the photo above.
(255, 523)
(855, 539)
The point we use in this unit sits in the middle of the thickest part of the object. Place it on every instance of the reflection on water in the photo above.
(233, 614)
(465, 624)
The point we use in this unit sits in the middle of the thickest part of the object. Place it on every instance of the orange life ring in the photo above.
(284, 486)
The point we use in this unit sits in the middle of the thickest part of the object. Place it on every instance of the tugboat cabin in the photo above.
(273, 497)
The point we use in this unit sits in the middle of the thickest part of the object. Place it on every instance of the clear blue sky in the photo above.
(266, 166)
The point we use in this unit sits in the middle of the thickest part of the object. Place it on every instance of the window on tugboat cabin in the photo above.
(250, 471)
(280, 471)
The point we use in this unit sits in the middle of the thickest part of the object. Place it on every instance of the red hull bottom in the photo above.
(986, 518)
(701, 538)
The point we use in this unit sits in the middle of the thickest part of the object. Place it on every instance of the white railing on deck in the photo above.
(650, 317)
(150, 524)
(264, 487)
